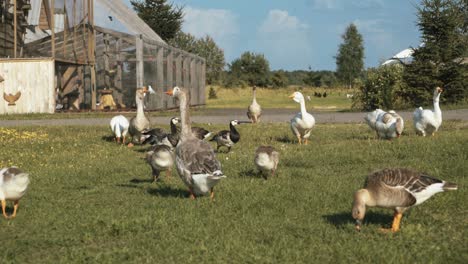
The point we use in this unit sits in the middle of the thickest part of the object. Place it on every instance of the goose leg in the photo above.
(212, 194)
(192, 195)
(118, 140)
(155, 175)
(396, 222)
(306, 141)
(299, 139)
(169, 173)
(15, 208)
(3, 209)
(123, 140)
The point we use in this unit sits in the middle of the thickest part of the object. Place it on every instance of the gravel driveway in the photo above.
(223, 116)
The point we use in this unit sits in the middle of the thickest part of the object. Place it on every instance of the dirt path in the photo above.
(223, 116)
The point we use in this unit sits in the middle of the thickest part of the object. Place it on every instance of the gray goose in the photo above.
(13, 186)
(140, 122)
(254, 111)
(196, 162)
(398, 189)
(266, 160)
(160, 158)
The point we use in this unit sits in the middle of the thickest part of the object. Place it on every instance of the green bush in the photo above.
(380, 88)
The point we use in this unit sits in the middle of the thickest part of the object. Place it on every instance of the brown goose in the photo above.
(196, 162)
(13, 186)
(254, 111)
(140, 122)
(266, 160)
(398, 189)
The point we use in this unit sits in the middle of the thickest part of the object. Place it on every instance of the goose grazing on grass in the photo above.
(160, 158)
(119, 126)
(254, 111)
(398, 189)
(428, 121)
(303, 122)
(196, 162)
(371, 117)
(140, 122)
(266, 160)
(389, 125)
(13, 186)
(227, 138)
(201, 133)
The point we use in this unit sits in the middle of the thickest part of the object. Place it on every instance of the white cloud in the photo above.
(335, 4)
(369, 25)
(284, 39)
(220, 24)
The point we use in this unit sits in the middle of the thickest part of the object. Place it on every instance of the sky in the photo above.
(296, 34)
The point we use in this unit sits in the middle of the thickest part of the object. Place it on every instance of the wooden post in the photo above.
(159, 76)
(200, 85)
(106, 61)
(15, 28)
(65, 30)
(52, 26)
(203, 82)
(178, 69)
(169, 77)
(193, 82)
(92, 58)
(118, 92)
(186, 73)
(139, 63)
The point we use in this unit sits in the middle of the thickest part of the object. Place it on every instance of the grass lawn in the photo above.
(91, 201)
(278, 98)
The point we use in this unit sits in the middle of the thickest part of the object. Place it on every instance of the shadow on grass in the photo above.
(167, 191)
(339, 220)
(135, 180)
(108, 138)
(285, 139)
(251, 173)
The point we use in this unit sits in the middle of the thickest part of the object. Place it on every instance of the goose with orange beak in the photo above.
(196, 161)
(303, 122)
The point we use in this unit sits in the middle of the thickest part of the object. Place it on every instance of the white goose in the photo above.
(254, 111)
(303, 122)
(389, 125)
(119, 126)
(140, 122)
(196, 162)
(428, 121)
(398, 189)
(13, 186)
(371, 117)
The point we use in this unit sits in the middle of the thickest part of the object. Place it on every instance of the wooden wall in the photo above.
(7, 30)
(34, 78)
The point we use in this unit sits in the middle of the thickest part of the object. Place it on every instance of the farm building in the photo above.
(87, 54)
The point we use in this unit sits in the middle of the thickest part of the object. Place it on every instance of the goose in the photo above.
(428, 121)
(266, 160)
(160, 158)
(398, 189)
(303, 122)
(228, 138)
(201, 133)
(389, 125)
(254, 111)
(13, 185)
(371, 117)
(195, 160)
(140, 122)
(119, 126)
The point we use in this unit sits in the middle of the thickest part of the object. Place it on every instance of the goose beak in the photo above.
(170, 92)
(291, 96)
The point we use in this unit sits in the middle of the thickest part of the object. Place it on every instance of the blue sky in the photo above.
(297, 33)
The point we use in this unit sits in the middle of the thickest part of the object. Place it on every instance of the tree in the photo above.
(350, 58)
(438, 62)
(206, 47)
(254, 69)
(279, 79)
(165, 19)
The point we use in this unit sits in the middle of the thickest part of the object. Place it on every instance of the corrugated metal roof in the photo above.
(35, 12)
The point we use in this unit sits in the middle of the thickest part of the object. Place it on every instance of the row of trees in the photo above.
(443, 24)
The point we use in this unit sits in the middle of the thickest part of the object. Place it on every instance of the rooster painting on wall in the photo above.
(10, 98)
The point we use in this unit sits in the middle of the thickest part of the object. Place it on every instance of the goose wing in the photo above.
(196, 157)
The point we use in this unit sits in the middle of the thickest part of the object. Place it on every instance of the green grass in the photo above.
(278, 98)
(90, 201)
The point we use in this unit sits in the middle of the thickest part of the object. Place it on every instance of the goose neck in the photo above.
(303, 108)
(140, 110)
(185, 115)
